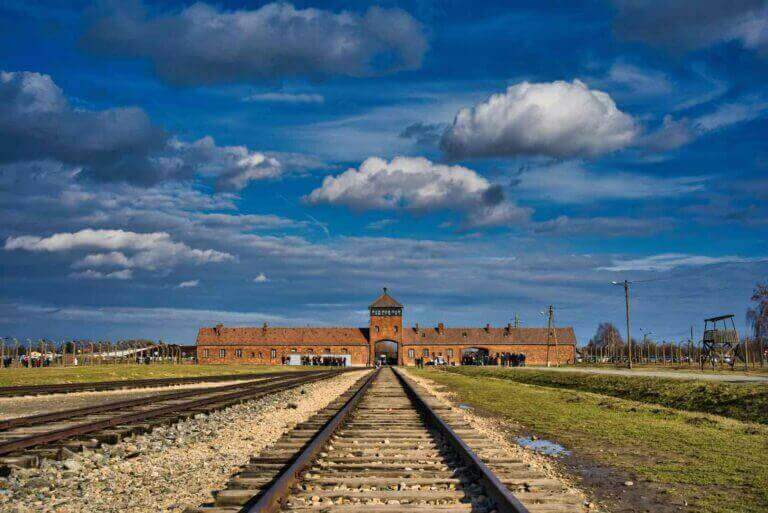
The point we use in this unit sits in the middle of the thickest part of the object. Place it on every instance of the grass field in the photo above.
(754, 368)
(92, 373)
(743, 401)
(714, 464)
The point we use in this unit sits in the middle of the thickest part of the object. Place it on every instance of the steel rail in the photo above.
(506, 502)
(271, 500)
(20, 390)
(14, 445)
(129, 403)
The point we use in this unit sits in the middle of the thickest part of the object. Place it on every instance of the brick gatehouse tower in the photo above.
(384, 339)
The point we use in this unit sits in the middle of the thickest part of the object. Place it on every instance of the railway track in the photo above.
(24, 440)
(386, 446)
(25, 390)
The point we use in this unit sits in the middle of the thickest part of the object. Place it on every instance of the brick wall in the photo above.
(273, 354)
(534, 354)
(262, 355)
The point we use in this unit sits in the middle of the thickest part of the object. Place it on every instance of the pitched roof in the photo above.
(489, 336)
(385, 301)
(221, 335)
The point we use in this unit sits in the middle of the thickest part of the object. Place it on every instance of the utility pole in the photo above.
(625, 284)
(551, 334)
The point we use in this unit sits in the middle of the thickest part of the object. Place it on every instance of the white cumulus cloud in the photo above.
(149, 250)
(261, 278)
(188, 284)
(418, 184)
(233, 166)
(90, 274)
(557, 119)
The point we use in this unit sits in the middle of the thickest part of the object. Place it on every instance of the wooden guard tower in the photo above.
(720, 342)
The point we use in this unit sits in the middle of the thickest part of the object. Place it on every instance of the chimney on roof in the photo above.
(264, 327)
(217, 329)
(385, 290)
(509, 328)
(440, 327)
(416, 327)
(488, 327)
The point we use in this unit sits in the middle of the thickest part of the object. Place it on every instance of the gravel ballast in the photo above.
(172, 467)
(495, 430)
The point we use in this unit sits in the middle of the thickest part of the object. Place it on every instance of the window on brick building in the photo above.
(376, 329)
(294, 350)
(449, 352)
(205, 353)
(344, 350)
(273, 353)
(425, 352)
(238, 353)
(411, 353)
(260, 355)
(253, 355)
(222, 353)
(310, 351)
(395, 328)
(327, 350)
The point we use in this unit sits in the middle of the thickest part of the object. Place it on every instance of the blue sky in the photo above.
(165, 166)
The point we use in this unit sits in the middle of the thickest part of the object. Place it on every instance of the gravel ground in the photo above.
(11, 407)
(498, 432)
(172, 467)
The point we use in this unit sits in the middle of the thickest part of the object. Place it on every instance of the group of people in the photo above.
(326, 361)
(26, 361)
(499, 359)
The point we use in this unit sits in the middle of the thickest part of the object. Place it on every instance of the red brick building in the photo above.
(384, 337)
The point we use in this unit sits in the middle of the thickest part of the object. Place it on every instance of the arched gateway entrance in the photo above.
(385, 352)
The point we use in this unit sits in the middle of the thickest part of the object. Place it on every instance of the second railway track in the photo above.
(24, 440)
(386, 446)
(100, 386)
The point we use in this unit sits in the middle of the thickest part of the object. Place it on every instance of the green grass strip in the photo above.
(742, 401)
(712, 463)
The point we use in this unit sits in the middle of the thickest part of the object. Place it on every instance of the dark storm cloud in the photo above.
(685, 25)
(202, 44)
(37, 122)
(425, 134)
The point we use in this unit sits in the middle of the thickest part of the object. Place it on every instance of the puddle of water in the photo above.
(543, 446)
(464, 406)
